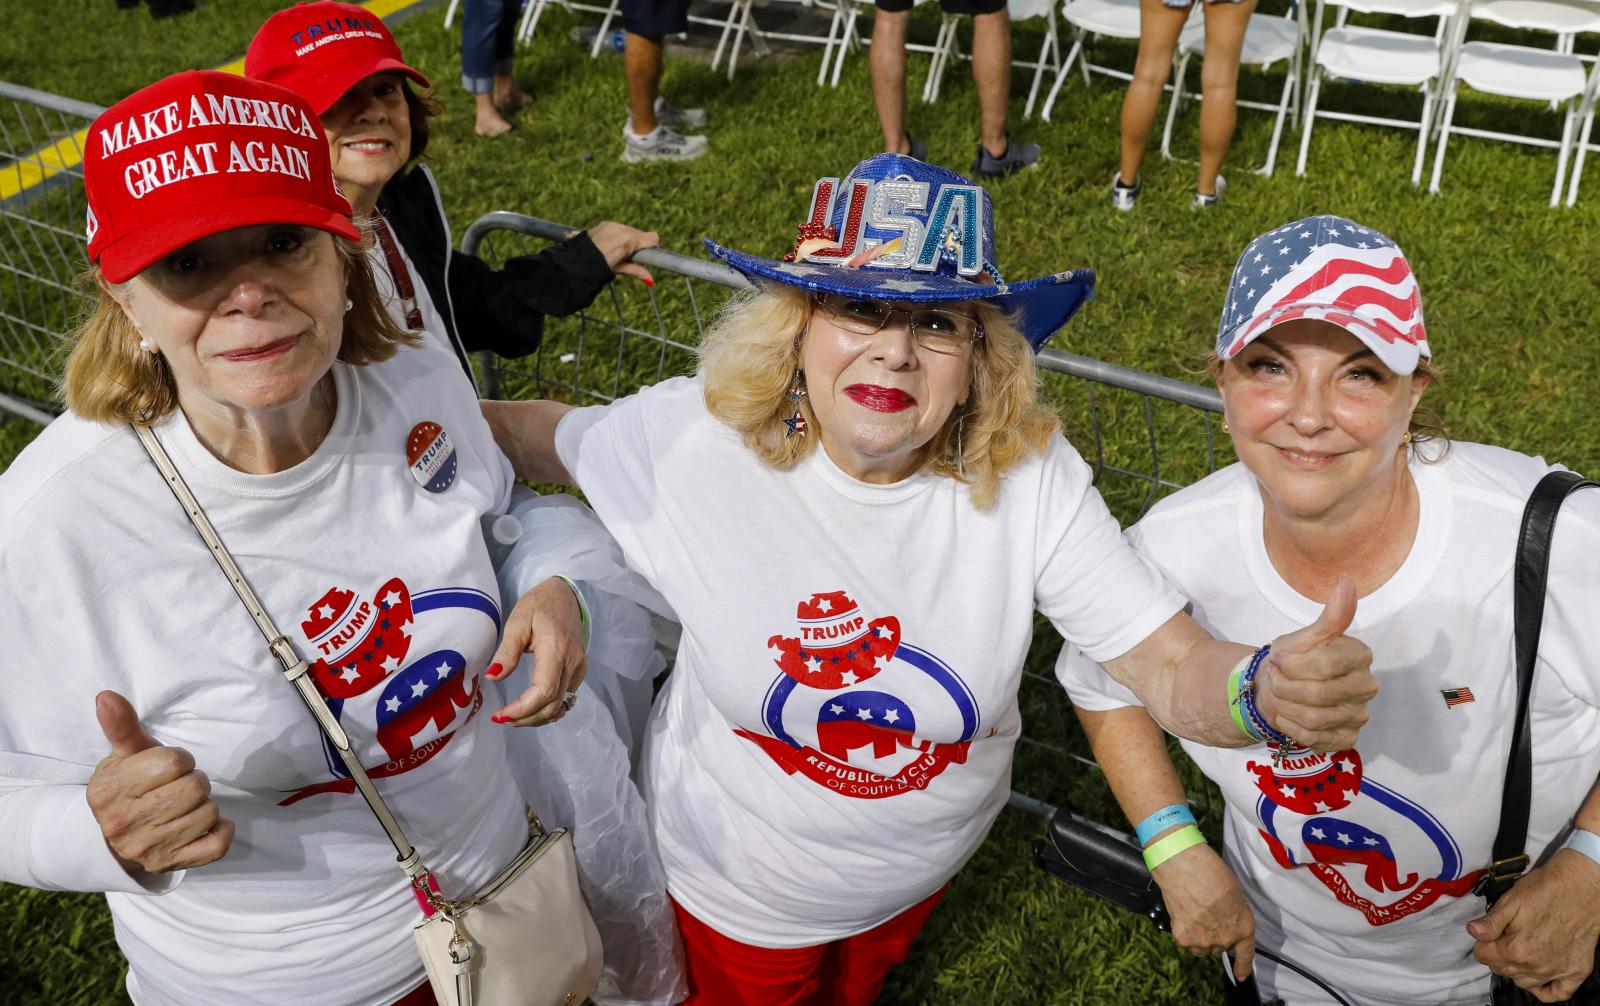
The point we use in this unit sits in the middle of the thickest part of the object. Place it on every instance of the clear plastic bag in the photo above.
(577, 771)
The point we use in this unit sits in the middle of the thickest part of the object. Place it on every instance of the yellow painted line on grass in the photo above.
(66, 153)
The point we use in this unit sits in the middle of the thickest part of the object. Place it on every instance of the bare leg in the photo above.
(991, 72)
(489, 120)
(887, 61)
(641, 64)
(1219, 86)
(1159, 27)
(507, 94)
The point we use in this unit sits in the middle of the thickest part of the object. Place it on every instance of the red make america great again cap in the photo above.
(199, 153)
(321, 50)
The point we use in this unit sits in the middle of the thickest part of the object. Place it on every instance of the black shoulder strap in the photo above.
(1527, 614)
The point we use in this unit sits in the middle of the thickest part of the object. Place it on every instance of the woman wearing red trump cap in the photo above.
(149, 746)
(344, 61)
(1362, 865)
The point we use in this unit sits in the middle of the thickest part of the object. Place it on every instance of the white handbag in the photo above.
(523, 939)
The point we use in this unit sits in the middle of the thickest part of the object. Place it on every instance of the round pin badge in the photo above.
(431, 456)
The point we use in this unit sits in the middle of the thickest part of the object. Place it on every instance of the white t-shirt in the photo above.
(1358, 866)
(385, 580)
(836, 738)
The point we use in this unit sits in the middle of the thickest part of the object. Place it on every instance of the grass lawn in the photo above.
(1510, 288)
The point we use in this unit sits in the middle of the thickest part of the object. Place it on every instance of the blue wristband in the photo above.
(1585, 842)
(1161, 820)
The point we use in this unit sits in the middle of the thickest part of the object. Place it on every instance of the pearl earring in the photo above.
(146, 345)
(349, 304)
(1225, 427)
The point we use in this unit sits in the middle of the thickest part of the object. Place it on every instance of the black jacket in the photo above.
(484, 308)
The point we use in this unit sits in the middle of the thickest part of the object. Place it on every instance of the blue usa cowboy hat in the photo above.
(899, 229)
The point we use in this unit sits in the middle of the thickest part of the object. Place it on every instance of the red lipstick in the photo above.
(880, 399)
(257, 353)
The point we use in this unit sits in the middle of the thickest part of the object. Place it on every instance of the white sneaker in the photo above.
(1123, 196)
(662, 144)
(1205, 202)
(678, 118)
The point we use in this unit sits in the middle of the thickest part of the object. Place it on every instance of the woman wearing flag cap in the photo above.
(855, 507)
(1361, 865)
(149, 746)
(344, 61)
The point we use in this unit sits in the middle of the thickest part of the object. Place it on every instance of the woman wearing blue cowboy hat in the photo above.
(837, 736)
(1371, 854)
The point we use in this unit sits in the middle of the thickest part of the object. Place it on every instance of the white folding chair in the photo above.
(740, 24)
(536, 8)
(1583, 145)
(1365, 55)
(1519, 71)
(1091, 18)
(1049, 49)
(1268, 40)
(945, 48)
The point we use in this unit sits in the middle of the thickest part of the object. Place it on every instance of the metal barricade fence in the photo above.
(1139, 431)
(42, 217)
(1118, 418)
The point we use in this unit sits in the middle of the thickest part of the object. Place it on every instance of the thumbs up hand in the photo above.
(1316, 683)
(153, 806)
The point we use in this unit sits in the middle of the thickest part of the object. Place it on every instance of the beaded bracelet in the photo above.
(1252, 711)
(1186, 837)
(1161, 820)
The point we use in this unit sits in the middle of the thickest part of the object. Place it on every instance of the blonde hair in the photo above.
(748, 361)
(109, 379)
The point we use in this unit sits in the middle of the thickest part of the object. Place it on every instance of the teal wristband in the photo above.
(1161, 820)
(1585, 842)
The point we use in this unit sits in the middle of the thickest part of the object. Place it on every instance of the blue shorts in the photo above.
(655, 18)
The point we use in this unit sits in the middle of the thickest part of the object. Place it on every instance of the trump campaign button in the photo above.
(431, 456)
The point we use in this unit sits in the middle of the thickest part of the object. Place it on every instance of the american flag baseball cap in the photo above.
(1334, 270)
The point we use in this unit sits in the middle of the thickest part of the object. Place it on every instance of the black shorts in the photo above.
(655, 18)
(948, 6)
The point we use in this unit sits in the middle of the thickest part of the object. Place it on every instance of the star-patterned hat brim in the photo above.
(1038, 307)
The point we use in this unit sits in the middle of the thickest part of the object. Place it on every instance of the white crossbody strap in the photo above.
(294, 665)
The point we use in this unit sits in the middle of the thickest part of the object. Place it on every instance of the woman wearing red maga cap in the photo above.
(1362, 865)
(150, 747)
(345, 62)
(856, 507)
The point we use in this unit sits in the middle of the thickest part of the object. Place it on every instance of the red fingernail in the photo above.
(648, 281)
(493, 671)
(500, 719)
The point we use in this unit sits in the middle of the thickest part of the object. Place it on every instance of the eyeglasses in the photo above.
(932, 329)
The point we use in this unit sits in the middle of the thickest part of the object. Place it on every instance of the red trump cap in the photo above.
(198, 153)
(321, 50)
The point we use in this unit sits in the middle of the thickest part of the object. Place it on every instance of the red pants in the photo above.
(848, 972)
(422, 995)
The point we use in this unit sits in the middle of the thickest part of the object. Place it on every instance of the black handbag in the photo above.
(1101, 861)
(1510, 857)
